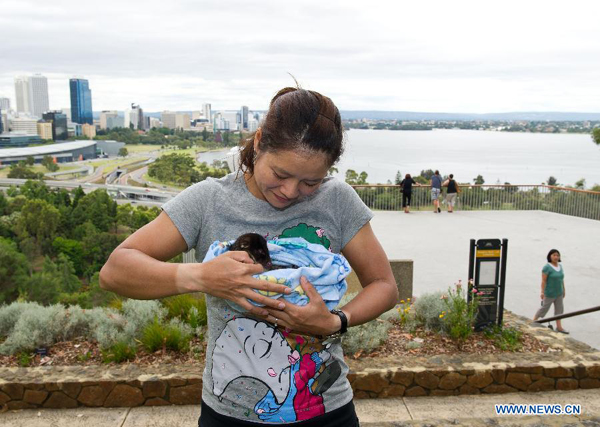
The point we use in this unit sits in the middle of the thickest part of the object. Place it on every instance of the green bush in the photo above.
(119, 352)
(427, 310)
(459, 317)
(173, 336)
(190, 309)
(507, 338)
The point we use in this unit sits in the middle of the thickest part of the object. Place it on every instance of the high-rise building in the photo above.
(88, 130)
(44, 129)
(4, 104)
(114, 122)
(153, 122)
(1, 122)
(136, 117)
(38, 95)
(207, 112)
(26, 125)
(243, 118)
(168, 119)
(81, 101)
(22, 94)
(60, 130)
(182, 121)
(105, 115)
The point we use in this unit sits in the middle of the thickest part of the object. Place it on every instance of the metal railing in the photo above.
(567, 201)
(571, 314)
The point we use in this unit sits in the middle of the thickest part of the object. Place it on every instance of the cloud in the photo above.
(431, 56)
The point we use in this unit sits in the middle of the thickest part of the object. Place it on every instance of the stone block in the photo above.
(15, 405)
(393, 390)
(156, 401)
(154, 388)
(480, 379)
(427, 380)
(403, 377)
(499, 376)
(4, 398)
(176, 382)
(567, 384)
(451, 381)
(124, 395)
(59, 400)
(186, 395)
(518, 380)
(35, 397)
(70, 389)
(415, 391)
(558, 372)
(51, 387)
(370, 382)
(499, 389)
(467, 389)
(580, 372)
(34, 386)
(15, 391)
(361, 395)
(593, 371)
(588, 383)
(527, 369)
(443, 392)
(93, 395)
(543, 384)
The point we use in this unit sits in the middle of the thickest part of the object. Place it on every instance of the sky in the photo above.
(429, 56)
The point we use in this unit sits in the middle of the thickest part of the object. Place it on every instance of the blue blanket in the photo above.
(325, 270)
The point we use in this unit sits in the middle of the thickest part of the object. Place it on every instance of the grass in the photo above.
(37, 168)
(156, 336)
(118, 353)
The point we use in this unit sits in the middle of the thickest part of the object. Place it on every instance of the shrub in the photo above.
(174, 336)
(189, 308)
(138, 314)
(427, 310)
(36, 326)
(459, 317)
(119, 352)
(507, 338)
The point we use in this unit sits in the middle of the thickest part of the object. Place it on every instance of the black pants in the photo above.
(406, 199)
(341, 417)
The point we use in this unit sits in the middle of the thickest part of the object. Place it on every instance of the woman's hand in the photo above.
(229, 276)
(313, 318)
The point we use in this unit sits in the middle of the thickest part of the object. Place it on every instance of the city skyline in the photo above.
(464, 56)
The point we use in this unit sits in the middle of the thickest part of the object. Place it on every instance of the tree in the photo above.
(29, 161)
(552, 181)
(21, 171)
(596, 135)
(332, 170)
(35, 190)
(72, 249)
(98, 208)
(49, 164)
(38, 219)
(580, 184)
(123, 152)
(14, 269)
(205, 134)
(398, 178)
(479, 180)
(353, 178)
(427, 174)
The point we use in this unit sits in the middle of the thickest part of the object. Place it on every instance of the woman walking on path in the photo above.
(406, 186)
(453, 190)
(553, 288)
(436, 191)
(278, 362)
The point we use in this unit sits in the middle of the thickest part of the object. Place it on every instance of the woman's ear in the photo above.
(257, 137)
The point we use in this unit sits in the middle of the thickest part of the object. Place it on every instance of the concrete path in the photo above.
(439, 246)
(407, 411)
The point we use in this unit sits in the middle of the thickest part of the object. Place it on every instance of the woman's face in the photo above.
(555, 257)
(283, 178)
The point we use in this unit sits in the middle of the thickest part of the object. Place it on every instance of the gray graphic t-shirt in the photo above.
(255, 371)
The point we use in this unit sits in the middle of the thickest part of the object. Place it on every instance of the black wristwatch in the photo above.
(344, 320)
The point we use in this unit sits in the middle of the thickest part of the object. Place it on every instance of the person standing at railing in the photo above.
(406, 188)
(553, 288)
(453, 190)
(436, 191)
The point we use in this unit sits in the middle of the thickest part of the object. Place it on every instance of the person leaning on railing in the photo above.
(453, 190)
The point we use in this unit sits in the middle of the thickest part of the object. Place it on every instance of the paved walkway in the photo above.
(439, 246)
(407, 411)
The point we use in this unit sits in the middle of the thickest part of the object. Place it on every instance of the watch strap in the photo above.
(344, 320)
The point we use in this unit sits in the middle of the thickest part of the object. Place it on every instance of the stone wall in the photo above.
(568, 366)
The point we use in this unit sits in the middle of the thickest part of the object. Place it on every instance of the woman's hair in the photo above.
(297, 119)
(553, 251)
(407, 176)
(451, 176)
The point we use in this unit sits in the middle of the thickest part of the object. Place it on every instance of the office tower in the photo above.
(153, 122)
(44, 129)
(114, 122)
(38, 95)
(182, 121)
(88, 130)
(104, 116)
(136, 117)
(207, 112)
(26, 125)
(168, 119)
(60, 130)
(1, 121)
(196, 115)
(243, 118)
(81, 101)
(22, 94)
(4, 104)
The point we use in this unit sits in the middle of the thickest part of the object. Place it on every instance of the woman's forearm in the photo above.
(375, 299)
(133, 274)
